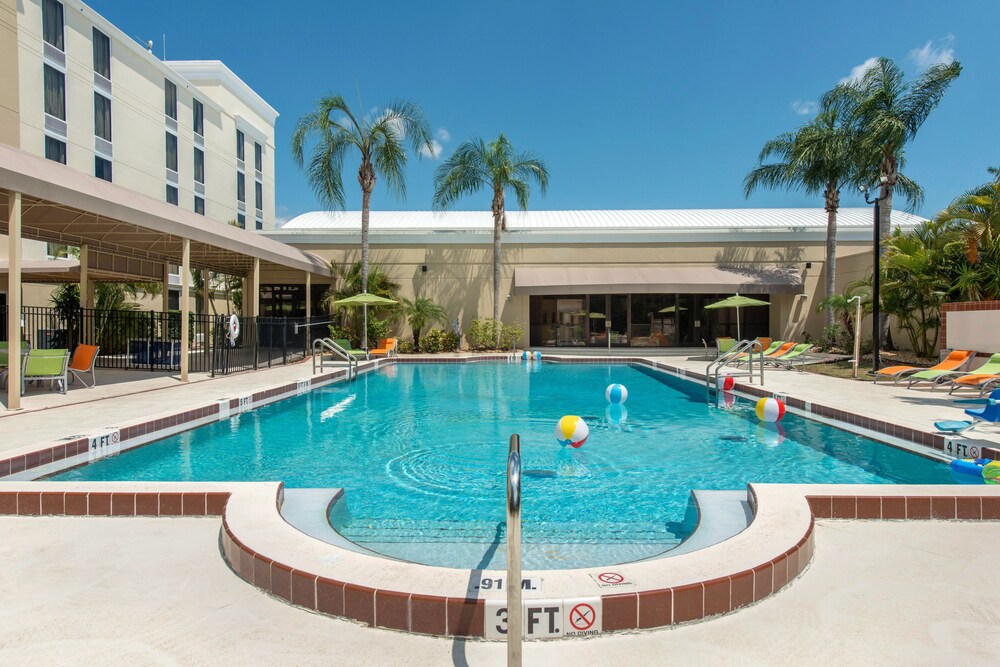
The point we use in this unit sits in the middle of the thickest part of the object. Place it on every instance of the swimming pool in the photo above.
(420, 451)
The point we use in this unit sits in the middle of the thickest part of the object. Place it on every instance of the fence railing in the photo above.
(150, 340)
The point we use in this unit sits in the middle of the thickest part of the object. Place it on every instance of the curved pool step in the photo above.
(308, 510)
(721, 515)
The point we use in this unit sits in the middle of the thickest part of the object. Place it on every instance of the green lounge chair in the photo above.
(787, 360)
(48, 365)
(346, 344)
(5, 359)
(742, 357)
(724, 345)
(939, 378)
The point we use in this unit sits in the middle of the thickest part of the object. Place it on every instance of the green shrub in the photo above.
(405, 347)
(377, 330)
(437, 340)
(344, 332)
(482, 335)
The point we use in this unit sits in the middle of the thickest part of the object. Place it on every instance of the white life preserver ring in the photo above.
(234, 329)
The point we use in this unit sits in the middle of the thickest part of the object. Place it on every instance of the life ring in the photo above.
(234, 329)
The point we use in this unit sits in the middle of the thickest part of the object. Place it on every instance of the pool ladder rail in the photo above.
(748, 352)
(514, 611)
(327, 346)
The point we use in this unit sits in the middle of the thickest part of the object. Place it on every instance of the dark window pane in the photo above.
(171, 151)
(259, 194)
(239, 144)
(170, 99)
(55, 150)
(102, 54)
(260, 224)
(102, 116)
(102, 168)
(55, 93)
(172, 195)
(241, 187)
(199, 165)
(258, 157)
(52, 23)
(199, 205)
(199, 118)
(241, 221)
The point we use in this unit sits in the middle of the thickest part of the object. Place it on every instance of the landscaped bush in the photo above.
(482, 335)
(377, 330)
(405, 347)
(344, 332)
(437, 340)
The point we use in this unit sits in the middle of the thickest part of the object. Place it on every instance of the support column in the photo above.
(165, 302)
(254, 288)
(205, 292)
(309, 309)
(14, 301)
(185, 308)
(85, 299)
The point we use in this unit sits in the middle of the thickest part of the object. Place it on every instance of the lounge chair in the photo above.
(84, 360)
(771, 349)
(988, 413)
(724, 345)
(346, 344)
(386, 348)
(939, 378)
(48, 365)
(787, 360)
(955, 360)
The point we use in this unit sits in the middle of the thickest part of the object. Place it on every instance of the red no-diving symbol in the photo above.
(974, 451)
(114, 436)
(611, 577)
(582, 616)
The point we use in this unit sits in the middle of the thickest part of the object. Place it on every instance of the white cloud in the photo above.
(805, 107)
(434, 151)
(930, 53)
(858, 72)
(443, 134)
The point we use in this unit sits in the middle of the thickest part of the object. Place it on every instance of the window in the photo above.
(199, 205)
(199, 165)
(241, 221)
(55, 150)
(55, 93)
(170, 99)
(239, 144)
(172, 152)
(102, 54)
(102, 117)
(258, 157)
(102, 168)
(199, 117)
(241, 187)
(259, 195)
(260, 224)
(172, 195)
(52, 23)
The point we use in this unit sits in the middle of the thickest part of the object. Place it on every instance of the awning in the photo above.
(62, 205)
(654, 280)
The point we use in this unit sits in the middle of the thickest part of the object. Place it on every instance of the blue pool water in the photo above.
(421, 451)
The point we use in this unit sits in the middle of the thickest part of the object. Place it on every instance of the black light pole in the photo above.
(876, 292)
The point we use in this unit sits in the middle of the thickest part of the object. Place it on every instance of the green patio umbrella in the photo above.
(736, 301)
(364, 300)
(672, 309)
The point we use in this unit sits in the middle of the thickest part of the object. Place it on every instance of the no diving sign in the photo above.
(611, 579)
(542, 619)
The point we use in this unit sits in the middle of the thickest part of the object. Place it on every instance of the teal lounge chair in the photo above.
(939, 378)
(48, 365)
(988, 413)
(786, 361)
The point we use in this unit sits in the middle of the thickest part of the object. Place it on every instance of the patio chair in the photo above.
(787, 360)
(386, 348)
(723, 345)
(84, 360)
(768, 351)
(346, 344)
(48, 365)
(976, 377)
(5, 359)
(988, 413)
(955, 360)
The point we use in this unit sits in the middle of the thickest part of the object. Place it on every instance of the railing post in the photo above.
(514, 621)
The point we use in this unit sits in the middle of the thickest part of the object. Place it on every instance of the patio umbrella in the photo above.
(364, 300)
(736, 301)
(672, 309)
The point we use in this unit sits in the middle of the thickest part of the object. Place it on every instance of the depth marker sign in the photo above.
(543, 619)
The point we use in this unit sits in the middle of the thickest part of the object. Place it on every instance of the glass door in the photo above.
(618, 312)
(597, 314)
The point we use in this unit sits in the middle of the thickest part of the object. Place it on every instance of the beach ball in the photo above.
(526, 355)
(572, 430)
(616, 393)
(537, 356)
(725, 382)
(616, 414)
(991, 472)
(770, 409)
(770, 435)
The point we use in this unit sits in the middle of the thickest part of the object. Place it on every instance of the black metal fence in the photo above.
(149, 340)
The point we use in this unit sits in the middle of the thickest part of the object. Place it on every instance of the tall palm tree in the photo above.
(380, 139)
(819, 157)
(419, 312)
(977, 213)
(477, 165)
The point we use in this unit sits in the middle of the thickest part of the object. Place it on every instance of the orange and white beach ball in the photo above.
(770, 410)
(572, 430)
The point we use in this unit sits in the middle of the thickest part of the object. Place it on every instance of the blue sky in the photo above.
(632, 105)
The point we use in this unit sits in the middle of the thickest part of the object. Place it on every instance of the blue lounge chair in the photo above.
(988, 413)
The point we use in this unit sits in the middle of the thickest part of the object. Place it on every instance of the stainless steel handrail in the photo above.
(734, 355)
(514, 622)
(329, 344)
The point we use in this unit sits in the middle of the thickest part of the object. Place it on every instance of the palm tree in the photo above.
(977, 213)
(419, 312)
(818, 157)
(495, 166)
(349, 284)
(378, 137)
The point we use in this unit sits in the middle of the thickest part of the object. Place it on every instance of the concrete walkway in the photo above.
(886, 593)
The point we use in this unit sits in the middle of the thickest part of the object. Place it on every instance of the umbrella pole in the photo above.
(364, 332)
(738, 337)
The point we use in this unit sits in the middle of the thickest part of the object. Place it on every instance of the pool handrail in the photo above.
(320, 345)
(750, 351)
(514, 622)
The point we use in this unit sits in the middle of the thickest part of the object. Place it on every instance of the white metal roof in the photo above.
(740, 219)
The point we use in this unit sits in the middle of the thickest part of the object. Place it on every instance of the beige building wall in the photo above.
(10, 106)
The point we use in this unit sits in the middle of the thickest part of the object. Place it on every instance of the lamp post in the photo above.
(876, 293)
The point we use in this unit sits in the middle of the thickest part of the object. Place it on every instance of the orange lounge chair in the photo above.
(84, 359)
(783, 350)
(954, 361)
(386, 348)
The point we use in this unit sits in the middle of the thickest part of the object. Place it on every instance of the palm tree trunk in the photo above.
(497, 224)
(366, 197)
(832, 204)
(889, 169)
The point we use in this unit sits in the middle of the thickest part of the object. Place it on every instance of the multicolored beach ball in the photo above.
(725, 382)
(537, 356)
(572, 430)
(616, 393)
(770, 410)
(991, 472)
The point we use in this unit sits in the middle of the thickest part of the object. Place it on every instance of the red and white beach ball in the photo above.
(725, 382)
(770, 410)
(572, 430)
